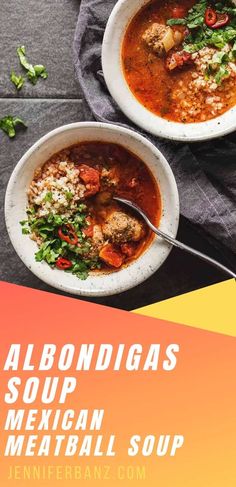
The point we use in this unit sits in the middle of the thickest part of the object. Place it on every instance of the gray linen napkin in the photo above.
(205, 173)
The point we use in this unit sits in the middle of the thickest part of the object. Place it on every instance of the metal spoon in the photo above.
(175, 242)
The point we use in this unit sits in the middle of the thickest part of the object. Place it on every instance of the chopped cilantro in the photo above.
(48, 197)
(221, 74)
(25, 231)
(18, 81)
(69, 195)
(9, 124)
(33, 72)
(52, 247)
(171, 22)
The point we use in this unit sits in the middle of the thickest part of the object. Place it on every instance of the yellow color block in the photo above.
(212, 308)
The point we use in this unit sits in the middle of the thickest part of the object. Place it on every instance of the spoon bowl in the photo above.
(175, 242)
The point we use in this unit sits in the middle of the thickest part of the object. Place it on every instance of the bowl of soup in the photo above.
(64, 223)
(171, 66)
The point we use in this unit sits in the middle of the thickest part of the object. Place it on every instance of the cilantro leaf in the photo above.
(221, 74)
(36, 72)
(25, 231)
(18, 81)
(69, 195)
(48, 197)
(8, 124)
(41, 71)
(33, 72)
(176, 22)
(23, 60)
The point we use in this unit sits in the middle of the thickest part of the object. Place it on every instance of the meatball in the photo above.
(120, 228)
(159, 38)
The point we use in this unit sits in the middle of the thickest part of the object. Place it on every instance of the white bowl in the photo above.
(16, 202)
(118, 22)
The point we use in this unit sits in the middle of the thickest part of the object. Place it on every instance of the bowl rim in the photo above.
(130, 105)
(36, 146)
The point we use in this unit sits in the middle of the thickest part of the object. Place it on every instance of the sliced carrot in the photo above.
(111, 256)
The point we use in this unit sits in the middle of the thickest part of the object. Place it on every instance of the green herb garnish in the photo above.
(9, 124)
(18, 81)
(52, 247)
(69, 195)
(221, 74)
(33, 72)
(48, 197)
(176, 22)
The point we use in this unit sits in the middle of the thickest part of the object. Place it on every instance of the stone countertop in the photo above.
(46, 29)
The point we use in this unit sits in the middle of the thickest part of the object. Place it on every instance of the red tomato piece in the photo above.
(128, 249)
(178, 12)
(88, 231)
(177, 60)
(111, 256)
(91, 179)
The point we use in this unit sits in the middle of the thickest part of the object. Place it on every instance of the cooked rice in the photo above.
(56, 188)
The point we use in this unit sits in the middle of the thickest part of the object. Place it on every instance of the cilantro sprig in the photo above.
(33, 72)
(9, 125)
(18, 81)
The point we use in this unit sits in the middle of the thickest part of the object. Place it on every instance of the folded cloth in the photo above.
(205, 173)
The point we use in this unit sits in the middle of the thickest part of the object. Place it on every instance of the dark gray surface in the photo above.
(46, 29)
(181, 273)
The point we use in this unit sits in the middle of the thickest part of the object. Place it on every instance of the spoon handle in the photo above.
(195, 252)
(175, 242)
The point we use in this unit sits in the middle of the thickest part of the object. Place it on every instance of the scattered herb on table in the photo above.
(18, 81)
(9, 125)
(63, 245)
(33, 72)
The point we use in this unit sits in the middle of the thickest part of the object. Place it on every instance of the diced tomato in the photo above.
(178, 12)
(91, 178)
(111, 256)
(178, 60)
(88, 231)
(128, 249)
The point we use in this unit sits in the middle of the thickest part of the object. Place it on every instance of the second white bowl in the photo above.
(122, 14)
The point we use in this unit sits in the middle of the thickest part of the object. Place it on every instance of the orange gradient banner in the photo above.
(197, 399)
